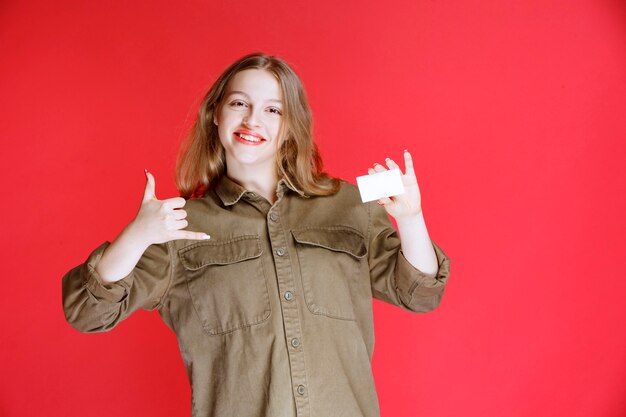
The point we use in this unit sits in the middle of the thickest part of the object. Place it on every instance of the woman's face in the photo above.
(249, 119)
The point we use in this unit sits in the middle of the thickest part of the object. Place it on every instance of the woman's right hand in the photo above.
(159, 221)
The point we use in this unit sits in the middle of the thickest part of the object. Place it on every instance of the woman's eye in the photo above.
(274, 110)
(238, 103)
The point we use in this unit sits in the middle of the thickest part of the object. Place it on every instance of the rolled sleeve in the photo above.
(418, 291)
(393, 279)
(91, 304)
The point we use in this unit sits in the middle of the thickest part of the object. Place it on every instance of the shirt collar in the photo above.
(230, 192)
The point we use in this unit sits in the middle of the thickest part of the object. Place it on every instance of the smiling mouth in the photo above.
(248, 139)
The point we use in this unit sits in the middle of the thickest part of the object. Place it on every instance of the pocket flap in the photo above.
(336, 238)
(224, 252)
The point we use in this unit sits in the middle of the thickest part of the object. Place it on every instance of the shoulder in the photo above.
(349, 197)
(200, 209)
(348, 188)
(347, 191)
(194, 205)
(342, 208)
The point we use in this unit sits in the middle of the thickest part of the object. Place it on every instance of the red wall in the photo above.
(515, 113)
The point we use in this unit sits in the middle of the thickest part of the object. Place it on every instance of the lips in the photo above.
(248, 137)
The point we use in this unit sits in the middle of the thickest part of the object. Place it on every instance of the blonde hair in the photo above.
(201, 160)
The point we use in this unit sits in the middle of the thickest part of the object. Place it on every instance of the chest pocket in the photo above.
(227, 283)
(330, 264)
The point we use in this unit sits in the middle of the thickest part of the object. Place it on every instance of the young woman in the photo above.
(273, 311)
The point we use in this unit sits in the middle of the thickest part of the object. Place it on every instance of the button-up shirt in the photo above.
(273, 314)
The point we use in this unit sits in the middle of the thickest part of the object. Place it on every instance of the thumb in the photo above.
(149, 192)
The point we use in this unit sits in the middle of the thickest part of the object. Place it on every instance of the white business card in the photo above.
(381, 184)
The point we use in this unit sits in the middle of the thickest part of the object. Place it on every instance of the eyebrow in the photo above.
(244, 94)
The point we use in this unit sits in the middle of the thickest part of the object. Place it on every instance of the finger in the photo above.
(176, 224)
(149, 192)
(186, 234)
(379, 168)
(408, 163)
(179, 214)
(391, 164)
(371, 171)
(173, 203)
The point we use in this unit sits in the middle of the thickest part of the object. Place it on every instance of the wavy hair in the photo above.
(201, 160)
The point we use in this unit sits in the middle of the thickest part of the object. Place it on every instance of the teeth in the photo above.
(249, 137)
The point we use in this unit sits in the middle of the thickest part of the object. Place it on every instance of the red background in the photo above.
(515, 114)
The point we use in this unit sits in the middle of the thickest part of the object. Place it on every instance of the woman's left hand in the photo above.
(404, 205)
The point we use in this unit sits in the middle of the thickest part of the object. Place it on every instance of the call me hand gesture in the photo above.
(159, 221)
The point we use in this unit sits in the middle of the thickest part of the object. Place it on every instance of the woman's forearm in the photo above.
(416, 244)
(121, 256)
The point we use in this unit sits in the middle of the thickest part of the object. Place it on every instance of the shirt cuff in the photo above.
(408, 278)
(113, 292)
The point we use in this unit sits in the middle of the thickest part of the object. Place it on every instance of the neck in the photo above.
(252, 178)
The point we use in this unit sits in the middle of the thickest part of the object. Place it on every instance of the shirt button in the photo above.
(295, 342)
(280, 251)
(273, 216)
(301, 389)
(288, 295)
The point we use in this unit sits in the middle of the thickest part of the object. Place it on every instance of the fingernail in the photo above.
(206, 237)
(380, 204)
(387, 159)
(405, 150)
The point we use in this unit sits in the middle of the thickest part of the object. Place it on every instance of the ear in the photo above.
(217, 109)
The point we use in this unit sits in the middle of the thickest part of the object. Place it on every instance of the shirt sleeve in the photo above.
(91, 305)
(394, 280)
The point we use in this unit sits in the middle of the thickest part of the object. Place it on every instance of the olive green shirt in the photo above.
(273, 314)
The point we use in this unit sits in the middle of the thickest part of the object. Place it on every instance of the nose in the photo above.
(251, 118)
